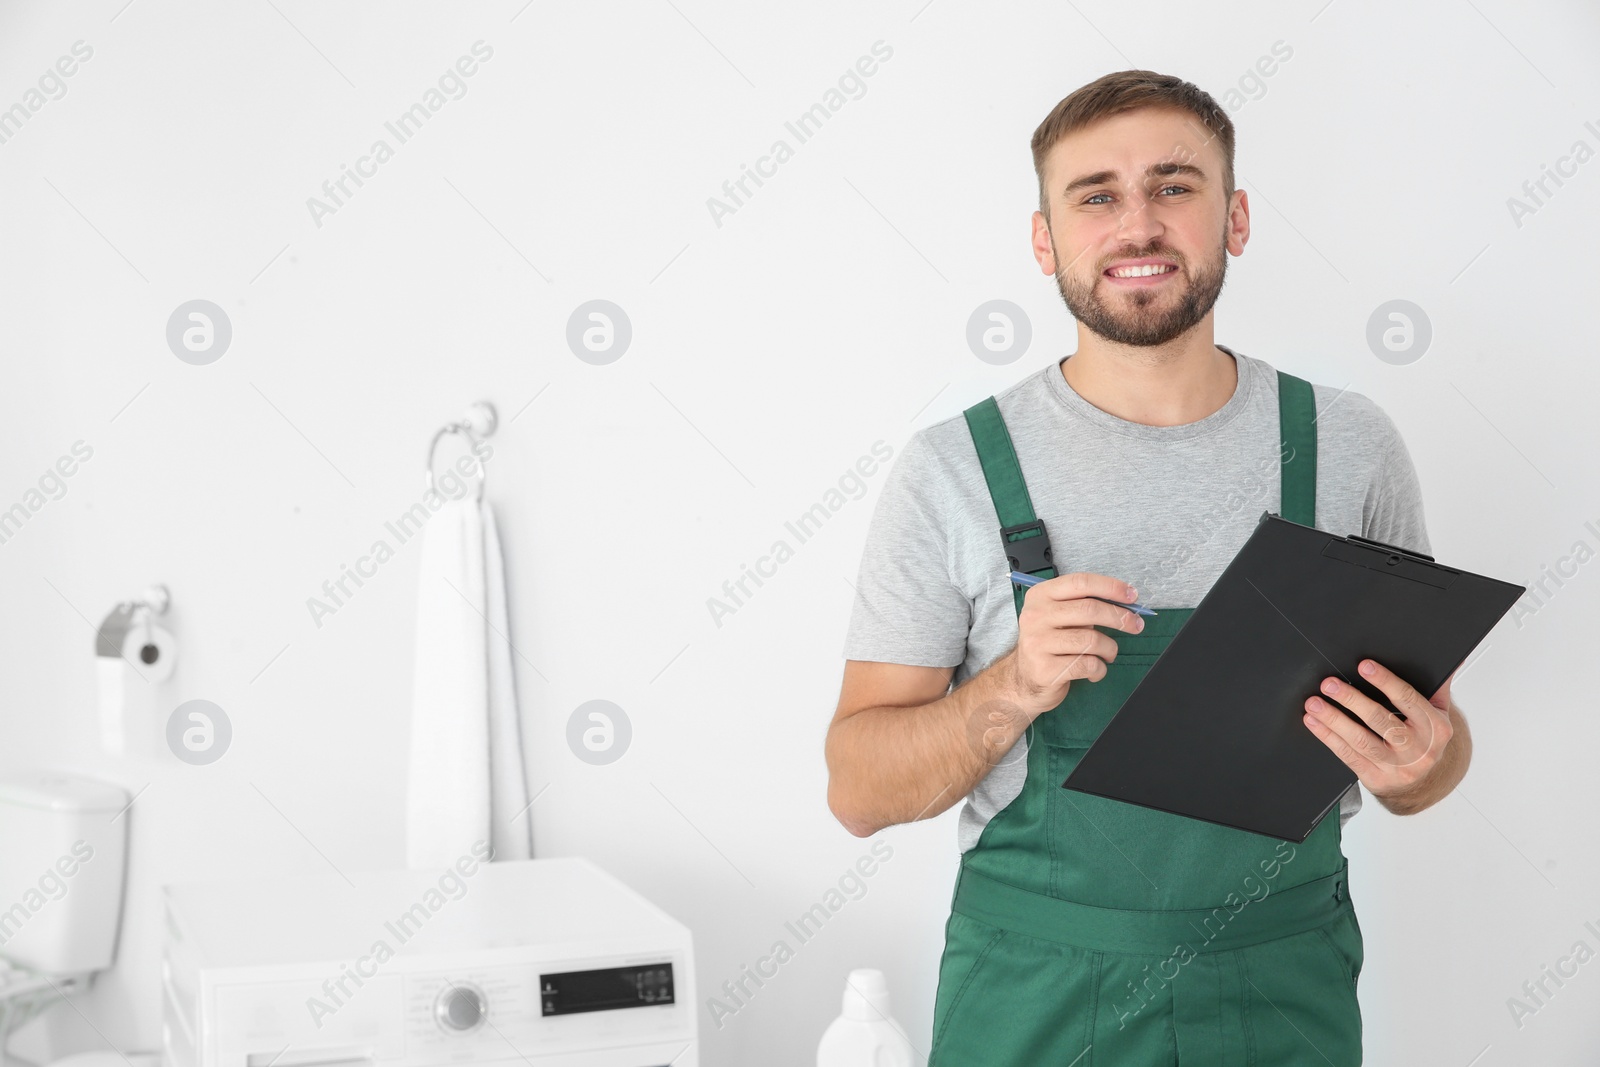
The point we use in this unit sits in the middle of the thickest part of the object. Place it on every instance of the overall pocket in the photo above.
(1078, 720)
(1300, 995)
(967, 944)
(1343, 937)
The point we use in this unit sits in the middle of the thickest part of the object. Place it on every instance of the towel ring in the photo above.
(480, 421)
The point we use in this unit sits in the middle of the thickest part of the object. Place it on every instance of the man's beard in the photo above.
(1144, 317)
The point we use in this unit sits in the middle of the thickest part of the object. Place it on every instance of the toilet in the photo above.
(63, 851)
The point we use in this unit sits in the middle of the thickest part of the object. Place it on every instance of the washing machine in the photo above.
(529, 962)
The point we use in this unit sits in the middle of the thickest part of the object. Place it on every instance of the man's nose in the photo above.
(1138, 224)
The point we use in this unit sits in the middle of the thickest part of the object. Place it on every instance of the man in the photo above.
(1085, 930)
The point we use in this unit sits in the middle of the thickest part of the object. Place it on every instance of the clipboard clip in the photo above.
(1389, 548)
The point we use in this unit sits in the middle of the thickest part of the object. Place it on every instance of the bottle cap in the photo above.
(866, 995)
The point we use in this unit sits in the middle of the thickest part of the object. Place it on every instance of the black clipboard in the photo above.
(1214, 729)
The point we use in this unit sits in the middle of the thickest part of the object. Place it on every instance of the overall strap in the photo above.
(1297, 423)
(1022, 535)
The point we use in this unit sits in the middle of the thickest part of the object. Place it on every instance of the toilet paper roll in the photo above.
(152, 651)
(149, 655)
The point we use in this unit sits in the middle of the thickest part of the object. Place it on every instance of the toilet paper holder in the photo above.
(112, 635)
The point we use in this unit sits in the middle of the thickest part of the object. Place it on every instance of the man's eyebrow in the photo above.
(1166, 169)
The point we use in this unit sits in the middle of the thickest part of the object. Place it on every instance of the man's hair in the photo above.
(1127, 90)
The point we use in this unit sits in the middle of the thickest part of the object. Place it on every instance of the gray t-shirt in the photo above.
(1164, 508)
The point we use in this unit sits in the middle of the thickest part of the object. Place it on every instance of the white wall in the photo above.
(769, 353)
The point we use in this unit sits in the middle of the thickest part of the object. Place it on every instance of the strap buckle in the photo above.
(1338, 890)
(1027, 547)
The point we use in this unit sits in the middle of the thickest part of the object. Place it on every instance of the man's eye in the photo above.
(1164, 188)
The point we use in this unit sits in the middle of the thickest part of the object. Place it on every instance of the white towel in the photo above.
(511, 821)
(466, 780)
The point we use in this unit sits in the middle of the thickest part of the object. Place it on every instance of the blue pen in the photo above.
(1029, 580)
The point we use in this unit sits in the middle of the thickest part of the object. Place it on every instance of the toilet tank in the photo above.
(63, 843)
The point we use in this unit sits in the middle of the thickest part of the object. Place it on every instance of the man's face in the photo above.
(1124, 212)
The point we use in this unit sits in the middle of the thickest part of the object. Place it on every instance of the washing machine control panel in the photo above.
(537, 1007)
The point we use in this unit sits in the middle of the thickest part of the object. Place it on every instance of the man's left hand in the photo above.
(1395, 756)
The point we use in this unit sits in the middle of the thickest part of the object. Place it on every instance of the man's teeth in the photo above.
(1141, 272)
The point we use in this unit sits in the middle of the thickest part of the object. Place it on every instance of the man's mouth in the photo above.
(1141, 273)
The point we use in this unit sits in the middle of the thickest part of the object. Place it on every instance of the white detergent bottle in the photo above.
(865, 1035)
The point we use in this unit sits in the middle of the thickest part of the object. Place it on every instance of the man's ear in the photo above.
(1238, 226)
(1043, 243)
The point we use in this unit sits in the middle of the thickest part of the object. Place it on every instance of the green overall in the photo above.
(1085, 930)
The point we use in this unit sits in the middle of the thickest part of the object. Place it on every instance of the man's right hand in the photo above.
(1057, 641)
(904, 746)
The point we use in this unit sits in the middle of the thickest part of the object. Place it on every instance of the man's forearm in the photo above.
(1445, 776)
(891, 765)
